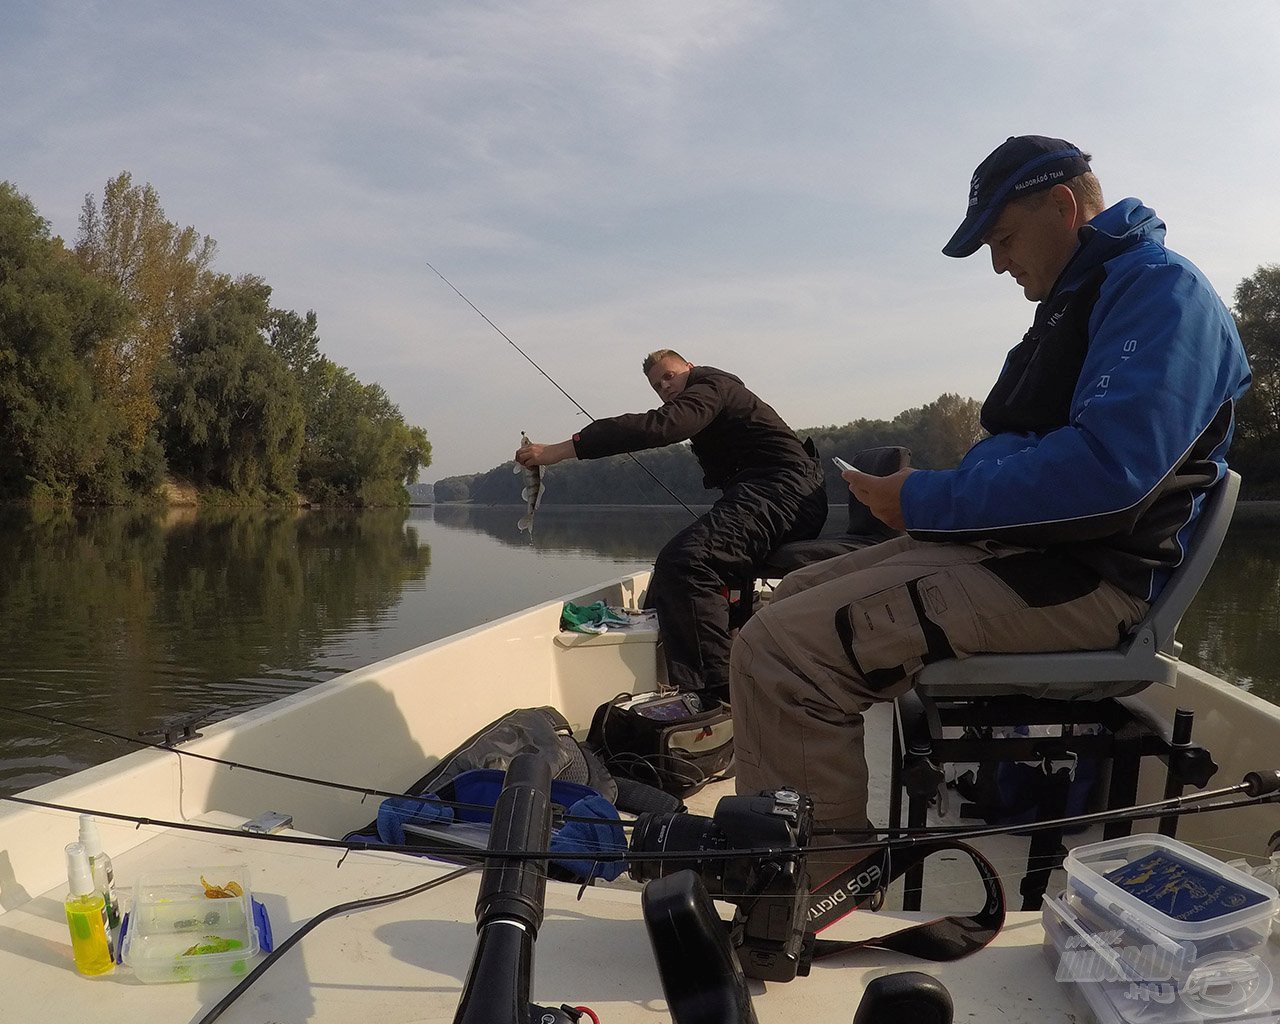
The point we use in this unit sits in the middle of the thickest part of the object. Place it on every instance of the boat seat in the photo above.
(1066, 690)
(861, 530)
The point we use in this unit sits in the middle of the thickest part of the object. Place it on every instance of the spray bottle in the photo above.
(85, 916)
(104, 876)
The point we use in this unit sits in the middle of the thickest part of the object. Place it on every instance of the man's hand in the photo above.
(881, 494)
(545, 454)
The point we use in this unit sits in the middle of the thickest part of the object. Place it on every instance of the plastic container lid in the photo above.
(1152, 881)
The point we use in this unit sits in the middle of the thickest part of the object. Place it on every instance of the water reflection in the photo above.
(119, 619)
(123, 618)
(1233, 627)
(622, 532)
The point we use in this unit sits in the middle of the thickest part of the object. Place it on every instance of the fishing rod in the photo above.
(1262, 787)
(364, 791)
(1257, 788)
(577, 405)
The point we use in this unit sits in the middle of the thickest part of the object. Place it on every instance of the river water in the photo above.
(121, 620)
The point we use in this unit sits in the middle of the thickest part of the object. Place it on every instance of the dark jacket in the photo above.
(735, 435)
(1109, 421)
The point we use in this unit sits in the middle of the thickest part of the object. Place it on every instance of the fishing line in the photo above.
(906, 836)
(1173, 807)
(577, 405)
(342, 908)
(364, 791)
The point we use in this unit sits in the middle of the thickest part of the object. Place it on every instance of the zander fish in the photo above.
(532, 493)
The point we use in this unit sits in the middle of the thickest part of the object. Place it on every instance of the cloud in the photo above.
(764, 184)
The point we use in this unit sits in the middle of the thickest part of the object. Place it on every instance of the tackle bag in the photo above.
(664, 740)
(543, 731)
(454, 824)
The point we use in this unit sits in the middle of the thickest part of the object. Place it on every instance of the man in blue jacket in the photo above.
(1108, 424)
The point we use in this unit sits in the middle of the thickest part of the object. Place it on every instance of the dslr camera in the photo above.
(745, 854)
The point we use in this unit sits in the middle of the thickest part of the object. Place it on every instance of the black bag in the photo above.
(665, 740)
(543, 731)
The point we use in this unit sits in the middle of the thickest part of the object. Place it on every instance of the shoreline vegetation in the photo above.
(133, 373)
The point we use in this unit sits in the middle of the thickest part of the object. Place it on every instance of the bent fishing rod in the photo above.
(576, 404)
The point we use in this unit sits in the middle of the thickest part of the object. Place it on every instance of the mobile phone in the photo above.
(843, 466)
(268, 822)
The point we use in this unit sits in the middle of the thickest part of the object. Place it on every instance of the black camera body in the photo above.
(746, 854)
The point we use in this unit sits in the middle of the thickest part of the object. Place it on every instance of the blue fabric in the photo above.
(591, 837)
(1163, 359)
(397, 811)
(481, 786)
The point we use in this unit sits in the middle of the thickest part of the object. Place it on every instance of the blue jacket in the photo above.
(1109, 421)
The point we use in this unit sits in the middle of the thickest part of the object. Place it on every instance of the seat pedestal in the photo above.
(925, 739)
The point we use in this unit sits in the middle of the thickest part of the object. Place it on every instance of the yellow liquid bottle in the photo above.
(85, 919)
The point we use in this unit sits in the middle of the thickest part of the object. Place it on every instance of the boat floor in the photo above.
(406, 961)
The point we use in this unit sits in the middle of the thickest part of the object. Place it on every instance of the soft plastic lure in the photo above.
(214, 944)
(221, 892)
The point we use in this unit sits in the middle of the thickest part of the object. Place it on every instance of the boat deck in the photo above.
(405, 962)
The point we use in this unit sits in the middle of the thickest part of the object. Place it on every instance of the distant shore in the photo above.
(1248, 513)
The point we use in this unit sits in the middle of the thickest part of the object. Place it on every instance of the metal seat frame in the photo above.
(1064, 689)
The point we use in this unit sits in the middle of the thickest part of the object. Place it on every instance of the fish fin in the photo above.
(526, 523)
(519, 469)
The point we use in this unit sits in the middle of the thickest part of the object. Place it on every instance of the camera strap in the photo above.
(949, 937)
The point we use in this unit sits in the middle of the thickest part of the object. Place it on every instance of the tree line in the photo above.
(938, 434)
(126, 358)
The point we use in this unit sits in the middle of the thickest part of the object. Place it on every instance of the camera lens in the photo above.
(673, 833)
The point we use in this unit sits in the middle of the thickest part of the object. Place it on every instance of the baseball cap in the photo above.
(1019, 166)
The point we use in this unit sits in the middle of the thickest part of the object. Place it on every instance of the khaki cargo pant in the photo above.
(844, 633)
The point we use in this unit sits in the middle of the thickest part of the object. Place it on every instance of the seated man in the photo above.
(772, 492)
(1108, 423)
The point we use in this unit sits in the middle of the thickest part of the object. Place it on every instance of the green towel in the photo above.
(592, 618)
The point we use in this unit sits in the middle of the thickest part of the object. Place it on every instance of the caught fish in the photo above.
(532, 493)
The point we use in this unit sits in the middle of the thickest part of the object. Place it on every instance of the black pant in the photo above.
(727, 544)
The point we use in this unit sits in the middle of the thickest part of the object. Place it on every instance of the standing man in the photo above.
(1108, 423)
(772, 492)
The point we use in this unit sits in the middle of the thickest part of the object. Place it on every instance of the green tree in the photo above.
(234, 418)
(1257, 313)
(56, 434)
(357, 448)
(938, 435)
(163, 270)
(944, 430)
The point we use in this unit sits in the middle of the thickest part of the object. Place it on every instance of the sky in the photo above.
(763, 185)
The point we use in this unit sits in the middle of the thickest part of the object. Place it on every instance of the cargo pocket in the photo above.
(891, 635)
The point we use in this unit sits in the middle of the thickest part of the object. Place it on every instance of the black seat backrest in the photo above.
(882, 461)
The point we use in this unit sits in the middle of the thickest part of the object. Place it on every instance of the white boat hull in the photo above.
(382, 727)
